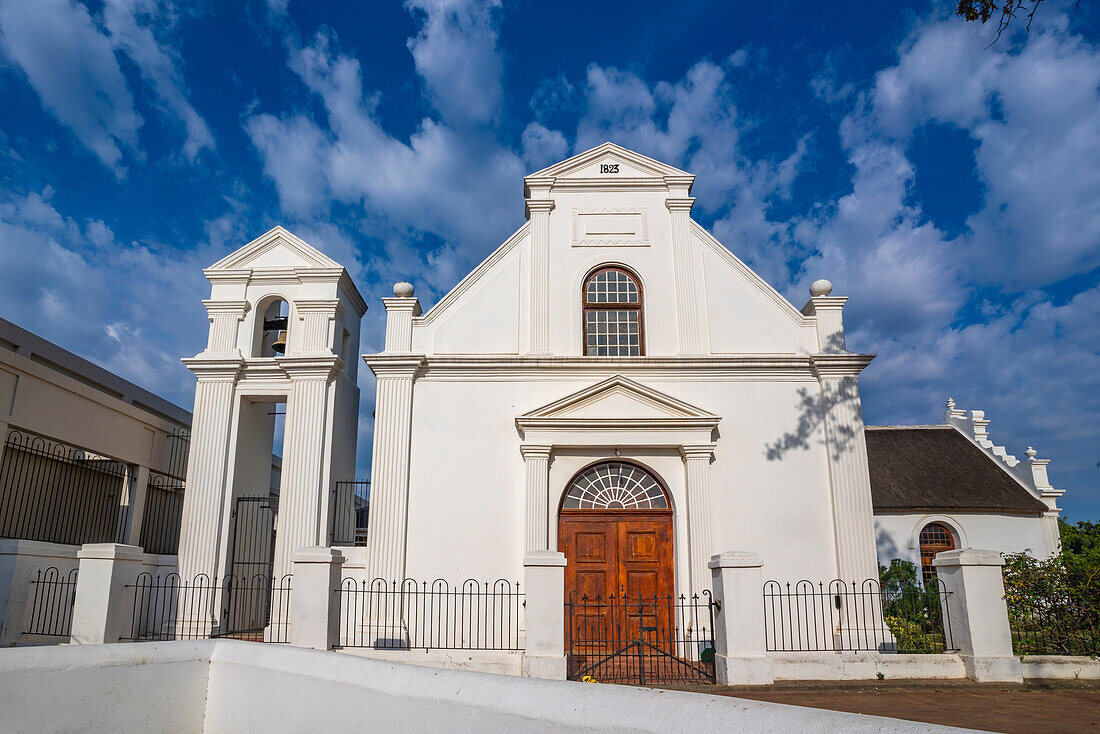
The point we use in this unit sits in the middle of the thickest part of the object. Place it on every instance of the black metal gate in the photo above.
(249, 585)
(642, 641)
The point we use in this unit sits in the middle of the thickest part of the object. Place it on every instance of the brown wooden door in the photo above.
(617, 557)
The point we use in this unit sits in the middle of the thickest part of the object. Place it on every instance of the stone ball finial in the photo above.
(821, 287)
(1031, 453)
(403, 290)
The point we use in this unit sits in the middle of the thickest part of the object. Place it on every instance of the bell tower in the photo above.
(284, 329)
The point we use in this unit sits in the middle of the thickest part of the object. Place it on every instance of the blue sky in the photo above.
(950, 190)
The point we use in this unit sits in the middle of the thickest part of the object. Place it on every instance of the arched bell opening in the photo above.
(274, 328)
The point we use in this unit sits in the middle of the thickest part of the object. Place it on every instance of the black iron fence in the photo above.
(160, 521)
(839, 616)
(50, 606)
(253, 608)
(53, 492)
(350, 510)
(1053, 626)
(642, 640)
(431, 615)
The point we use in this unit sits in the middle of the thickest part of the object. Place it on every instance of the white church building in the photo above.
(611, 383)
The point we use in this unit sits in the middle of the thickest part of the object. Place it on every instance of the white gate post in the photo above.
(315, 601)
(103, 609)
(544, 653)
(977, 614)
(740, 654)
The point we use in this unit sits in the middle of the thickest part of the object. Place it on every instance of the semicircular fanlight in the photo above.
(615, 486)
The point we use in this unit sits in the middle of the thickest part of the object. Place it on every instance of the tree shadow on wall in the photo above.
(811, 416)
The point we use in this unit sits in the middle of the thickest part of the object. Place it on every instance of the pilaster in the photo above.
(386, 535)
(225, 318)
(317, 317)
(200, 547)
(697, 460)
(687, 316)
(400, 311)
(536, 457)
(849, 478)
(539, 212)
(829, 312)
(305, 476)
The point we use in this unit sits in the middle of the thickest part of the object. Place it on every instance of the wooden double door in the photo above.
(616, 559)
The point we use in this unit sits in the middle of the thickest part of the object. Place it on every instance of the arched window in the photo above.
(613, 324)
(934, 538)
(273, 328)
(615, 485)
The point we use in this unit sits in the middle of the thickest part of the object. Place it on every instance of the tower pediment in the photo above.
(275, 249)
(618, 401)
(604, 165)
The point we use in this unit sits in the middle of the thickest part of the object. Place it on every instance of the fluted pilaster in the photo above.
(687, 318)
(537, 460)
(303, 489)
(539, 210)
(200, 543)
(853, 515)
(697, 468)
(399, 323)
(386, 534)
(225, 318)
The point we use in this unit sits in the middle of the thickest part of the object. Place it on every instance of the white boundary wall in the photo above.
(272, 688)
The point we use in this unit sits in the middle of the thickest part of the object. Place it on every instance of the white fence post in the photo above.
(104, 606)
(315, 601)
(977, 613)
(544, 653)
(740, 653)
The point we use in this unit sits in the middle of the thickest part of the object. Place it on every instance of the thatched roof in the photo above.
(937, 468)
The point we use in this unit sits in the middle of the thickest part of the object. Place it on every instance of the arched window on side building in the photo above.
(935, 538)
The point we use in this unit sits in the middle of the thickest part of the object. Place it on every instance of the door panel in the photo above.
(616, 555)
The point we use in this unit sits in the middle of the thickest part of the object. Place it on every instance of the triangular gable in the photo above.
(586, 164)
(276, 248)
(619, 399)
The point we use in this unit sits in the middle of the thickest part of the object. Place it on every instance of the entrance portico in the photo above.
(615, 420)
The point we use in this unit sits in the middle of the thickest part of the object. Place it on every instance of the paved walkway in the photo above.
(1054, 706)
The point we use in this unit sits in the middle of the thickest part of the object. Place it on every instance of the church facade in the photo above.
(614, 383)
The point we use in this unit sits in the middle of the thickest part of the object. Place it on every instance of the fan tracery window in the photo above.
(615, 486)
(612, 314)
(934, 538)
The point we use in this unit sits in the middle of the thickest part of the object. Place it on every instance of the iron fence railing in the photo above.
(839, 616)
(431, 615)
(641, 640)
(50, 608)
(1053, 626)
(53, 492)
(255, 608)
(163, 513)
(350, 510)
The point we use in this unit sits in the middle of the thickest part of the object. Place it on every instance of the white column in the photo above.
(225, 318)
(317, 319)
(386, 535)
(400, 311)
(740, 650)
(687, 317)
(315, 601)
(201, 545)
(539, 211)
(104, 607)
(977, 613)
(537, 460)
(829, 312)
(303, 484)
(544, 615)
(138, 492)
(697, 468)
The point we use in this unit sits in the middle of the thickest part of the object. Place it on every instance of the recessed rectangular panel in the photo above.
(590, 584)
(641, 545)
(591, 546)
(643, 584)
(600, 227)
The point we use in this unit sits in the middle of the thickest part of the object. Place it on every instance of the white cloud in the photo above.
(456, 56)
(131, 24)
(72, 66)
(70, 61)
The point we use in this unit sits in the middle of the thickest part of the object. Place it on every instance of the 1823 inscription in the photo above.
(609, 168)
